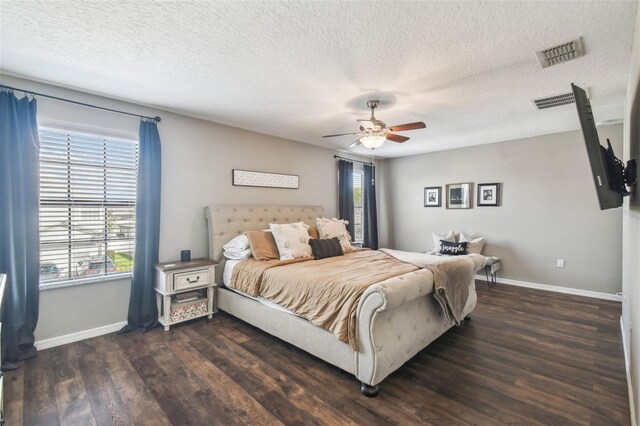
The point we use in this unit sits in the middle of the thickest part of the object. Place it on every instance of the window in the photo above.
(358, 196)
(87, 205)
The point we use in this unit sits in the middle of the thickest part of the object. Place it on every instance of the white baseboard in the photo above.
(555, 288)
(628, 371)
(80, 335)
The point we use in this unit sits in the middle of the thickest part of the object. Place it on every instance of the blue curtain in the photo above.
(19, 238)
(370, 214)
(143, 313)
(345, 193)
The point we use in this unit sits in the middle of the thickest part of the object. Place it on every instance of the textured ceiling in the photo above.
(299, 70)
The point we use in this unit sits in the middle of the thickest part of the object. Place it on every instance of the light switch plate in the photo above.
(560, 263)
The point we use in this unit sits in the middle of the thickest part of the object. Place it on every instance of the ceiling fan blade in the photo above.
(356, 143)
(407, 126)
(397, 138)
(339, 134)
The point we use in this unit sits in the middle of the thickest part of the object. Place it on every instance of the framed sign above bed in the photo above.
(459, 196)
(264, 179)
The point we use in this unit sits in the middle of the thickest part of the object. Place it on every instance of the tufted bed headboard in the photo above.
(227, 221)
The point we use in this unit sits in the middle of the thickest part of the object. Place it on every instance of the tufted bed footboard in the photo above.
(396, 318)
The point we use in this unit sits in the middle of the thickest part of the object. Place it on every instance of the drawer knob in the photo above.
(194, 281)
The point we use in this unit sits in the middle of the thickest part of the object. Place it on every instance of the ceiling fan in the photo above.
(374, 132)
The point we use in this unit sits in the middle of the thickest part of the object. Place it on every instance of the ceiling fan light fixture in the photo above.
(374, 132)
(372, 142)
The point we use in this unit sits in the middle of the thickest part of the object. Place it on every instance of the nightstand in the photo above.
(185, 290)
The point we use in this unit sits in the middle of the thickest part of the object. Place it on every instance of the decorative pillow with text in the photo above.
(453, 249)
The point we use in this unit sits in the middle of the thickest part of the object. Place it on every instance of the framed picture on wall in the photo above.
(459, 196)
(488, 194)
(264, 179)
(433, 196)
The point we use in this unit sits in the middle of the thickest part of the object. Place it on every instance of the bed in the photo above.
(395, 318)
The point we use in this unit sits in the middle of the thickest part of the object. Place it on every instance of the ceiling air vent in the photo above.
(564, 52)
(555, 100)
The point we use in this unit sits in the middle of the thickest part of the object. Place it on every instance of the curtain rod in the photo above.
(158, 119)
(349, 159)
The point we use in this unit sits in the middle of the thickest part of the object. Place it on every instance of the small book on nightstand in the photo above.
(188, 296)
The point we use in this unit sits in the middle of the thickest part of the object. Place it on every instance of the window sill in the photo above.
(84, 281)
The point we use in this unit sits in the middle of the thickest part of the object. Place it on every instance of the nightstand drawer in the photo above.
(190, 279)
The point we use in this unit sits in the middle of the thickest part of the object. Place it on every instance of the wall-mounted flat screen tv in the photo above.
(610, 175)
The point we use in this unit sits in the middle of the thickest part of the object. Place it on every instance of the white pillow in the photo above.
(451, 237)
(292, 240)
(239, 243)
(474, 245)
(331, 228)
(237, 255)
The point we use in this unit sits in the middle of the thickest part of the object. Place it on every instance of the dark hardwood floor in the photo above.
(526, 357)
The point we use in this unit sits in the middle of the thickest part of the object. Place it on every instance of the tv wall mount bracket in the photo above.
(623, 178)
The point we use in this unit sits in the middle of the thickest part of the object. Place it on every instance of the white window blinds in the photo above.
(87, 205)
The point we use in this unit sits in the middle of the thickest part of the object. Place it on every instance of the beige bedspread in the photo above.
(325, 292)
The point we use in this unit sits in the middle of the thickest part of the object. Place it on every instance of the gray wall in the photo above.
(631, 225)
(197, 158)
(549, 209)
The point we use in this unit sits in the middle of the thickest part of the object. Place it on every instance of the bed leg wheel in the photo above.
(467, 318)
(369, 391)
